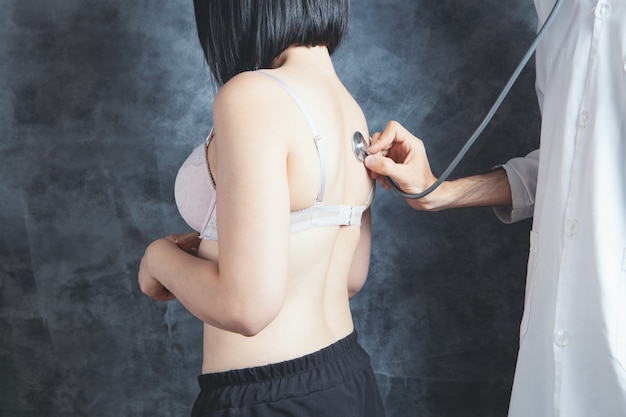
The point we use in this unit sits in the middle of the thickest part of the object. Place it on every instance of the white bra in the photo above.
(195, 193)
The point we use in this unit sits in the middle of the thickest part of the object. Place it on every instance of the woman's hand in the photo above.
(189, 242)
(149, 284)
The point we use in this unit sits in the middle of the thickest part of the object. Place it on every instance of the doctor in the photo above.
(572, 354)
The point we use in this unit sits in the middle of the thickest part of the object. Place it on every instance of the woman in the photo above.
(293, 224)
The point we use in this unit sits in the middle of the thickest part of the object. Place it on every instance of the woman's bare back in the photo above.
(314, 311)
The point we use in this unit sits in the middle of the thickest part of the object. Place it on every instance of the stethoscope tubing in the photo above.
(487, 119)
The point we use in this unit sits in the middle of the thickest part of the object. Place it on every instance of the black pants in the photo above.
(337, 381)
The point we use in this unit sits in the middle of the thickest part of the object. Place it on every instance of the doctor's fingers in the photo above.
(382, 167)
(393, 135)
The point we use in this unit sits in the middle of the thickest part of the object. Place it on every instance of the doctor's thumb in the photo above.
(370, 162)
(377, 164)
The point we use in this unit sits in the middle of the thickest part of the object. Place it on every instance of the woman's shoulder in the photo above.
(254, 97)
(248, 102)
(246, 86)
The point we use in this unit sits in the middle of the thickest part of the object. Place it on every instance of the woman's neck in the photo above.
(317, 56)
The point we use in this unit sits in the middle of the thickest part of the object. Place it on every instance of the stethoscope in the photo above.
(361, 147)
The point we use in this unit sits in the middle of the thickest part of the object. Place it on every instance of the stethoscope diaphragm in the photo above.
(360, 146)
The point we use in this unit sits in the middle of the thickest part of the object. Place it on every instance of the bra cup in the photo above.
(194, 192)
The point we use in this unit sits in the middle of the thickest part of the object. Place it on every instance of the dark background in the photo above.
(102, 100)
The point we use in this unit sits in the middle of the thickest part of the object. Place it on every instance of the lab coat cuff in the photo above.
(523, 201)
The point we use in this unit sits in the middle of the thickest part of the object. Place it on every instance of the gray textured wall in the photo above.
(100, 103)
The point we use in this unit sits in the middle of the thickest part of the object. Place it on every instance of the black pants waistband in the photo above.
(281, 369)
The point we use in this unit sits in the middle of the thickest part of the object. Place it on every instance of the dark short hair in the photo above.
(246, 35)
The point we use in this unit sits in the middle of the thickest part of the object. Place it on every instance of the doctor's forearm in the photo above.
(490, 189)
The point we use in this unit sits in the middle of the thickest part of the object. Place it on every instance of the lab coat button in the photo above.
(571, 227)
(560, 338)
(603, 10)
(585, 118)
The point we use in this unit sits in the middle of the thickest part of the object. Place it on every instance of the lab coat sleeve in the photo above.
(522, 176)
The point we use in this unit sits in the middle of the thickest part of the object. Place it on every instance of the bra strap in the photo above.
(316, 136)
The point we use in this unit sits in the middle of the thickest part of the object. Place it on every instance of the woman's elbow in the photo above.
(249, 318)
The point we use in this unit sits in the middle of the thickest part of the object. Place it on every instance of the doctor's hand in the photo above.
(400, 155)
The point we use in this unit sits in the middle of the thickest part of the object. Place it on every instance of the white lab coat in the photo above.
(572, 356)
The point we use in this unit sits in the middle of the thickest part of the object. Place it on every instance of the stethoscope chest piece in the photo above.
(360, 146)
